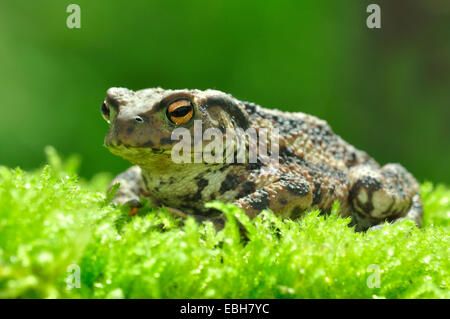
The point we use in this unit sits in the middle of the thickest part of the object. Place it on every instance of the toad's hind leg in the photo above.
(386, 194)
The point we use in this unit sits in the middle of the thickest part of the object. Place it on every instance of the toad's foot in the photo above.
(386, 194)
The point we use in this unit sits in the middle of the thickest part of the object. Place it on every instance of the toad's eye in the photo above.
(180, 111)
(105, 111)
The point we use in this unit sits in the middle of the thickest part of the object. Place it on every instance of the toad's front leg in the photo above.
(130, 190)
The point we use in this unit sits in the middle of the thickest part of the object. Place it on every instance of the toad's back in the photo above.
(308, 137)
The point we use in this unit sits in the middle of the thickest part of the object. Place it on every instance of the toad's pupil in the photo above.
(105, 109)
(181, 111)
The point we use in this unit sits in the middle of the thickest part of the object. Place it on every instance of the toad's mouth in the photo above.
(146, 156)
(140, 155)
(155, 150)
(131, 151)
(136, 149)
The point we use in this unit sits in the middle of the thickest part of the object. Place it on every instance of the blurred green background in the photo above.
(386, 91)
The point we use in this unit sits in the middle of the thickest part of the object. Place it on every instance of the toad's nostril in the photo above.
(138, 119)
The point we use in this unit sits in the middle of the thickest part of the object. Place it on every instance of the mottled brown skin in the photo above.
(316, 167)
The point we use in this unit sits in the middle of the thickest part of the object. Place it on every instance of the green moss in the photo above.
(51, 223)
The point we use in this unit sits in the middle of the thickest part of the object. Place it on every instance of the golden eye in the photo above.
(105, 111)
(180, 112)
